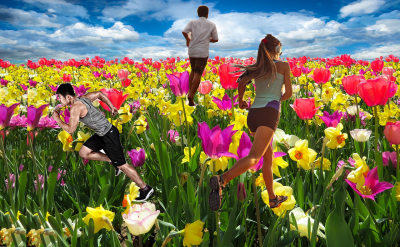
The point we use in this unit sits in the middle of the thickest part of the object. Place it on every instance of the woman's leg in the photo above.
(268, 174)
(262, 138)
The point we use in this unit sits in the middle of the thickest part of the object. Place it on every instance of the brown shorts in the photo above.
(265, 116)
(198, 64)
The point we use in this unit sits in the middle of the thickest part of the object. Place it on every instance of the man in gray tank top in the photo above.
(105, 144)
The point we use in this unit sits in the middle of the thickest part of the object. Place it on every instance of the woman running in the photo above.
(269, 74)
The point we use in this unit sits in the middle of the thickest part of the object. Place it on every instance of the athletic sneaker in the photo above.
(144, 194)
(117, 170)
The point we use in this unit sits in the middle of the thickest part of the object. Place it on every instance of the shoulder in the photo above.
(283, 64)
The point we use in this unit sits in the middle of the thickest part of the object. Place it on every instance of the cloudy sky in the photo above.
(64, 29)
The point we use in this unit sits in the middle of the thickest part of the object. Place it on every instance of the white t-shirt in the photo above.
(201, 31)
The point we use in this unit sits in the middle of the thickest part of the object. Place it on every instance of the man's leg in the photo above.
(132, 174)
(89, 154)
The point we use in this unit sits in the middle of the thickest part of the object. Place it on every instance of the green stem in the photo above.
(244, 219)
(380, 167)
(233, 107)
(398, 163)
(8, 172)
(140, 240)
(372, 216)
(257, 210)
(38, 185)
(358, 120)
(217, 215)
(187, 130)
(308, 131)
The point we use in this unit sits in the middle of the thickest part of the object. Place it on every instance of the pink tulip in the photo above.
(228, 81)
(67, 78)
(375, 91)
(123, 74)
(388, 72)
(392, 132)
(305, 108)
(205, 87)
(386, 156)
(377, 65)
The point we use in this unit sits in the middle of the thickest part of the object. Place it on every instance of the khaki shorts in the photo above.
(198, 64)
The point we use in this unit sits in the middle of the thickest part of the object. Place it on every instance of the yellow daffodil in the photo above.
(302, 154)
(285, 206)
(233, 147)
(47, 216)
(358, 176)
(193, 233)
(186, 159)
(133, 191)
(102, 218)
(276, 163)
(176, 114)
(82, 137)
(389, 114)
(326, 165)
(220, 164)
(66, 140)
(125, 114)
(141, 124)
(398, 191)
(327, 94)
(336, 138)
(260, 181)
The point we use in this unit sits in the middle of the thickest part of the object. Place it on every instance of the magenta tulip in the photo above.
(137, 157)
(179, 83)
(331, 120)
(386, 156)
(6, 114)
(241, 192)
(226, 103)
(372, 186)
(81, 90)
(34, 115)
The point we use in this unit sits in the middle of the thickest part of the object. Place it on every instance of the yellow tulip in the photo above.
(133, 191)
(358, 176)
(302, 154)
(126, 114)
(336, 138)
(66, 140)
(82, 137)
(193, 233)
(102, 218)
(140, 121)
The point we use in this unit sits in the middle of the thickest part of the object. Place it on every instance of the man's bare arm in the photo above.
(73, 120)
(213, 40)
(186, 35)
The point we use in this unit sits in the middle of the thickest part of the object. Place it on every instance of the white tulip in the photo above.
(352, 110)
(141, 218)
(302, 223)
(360, 135)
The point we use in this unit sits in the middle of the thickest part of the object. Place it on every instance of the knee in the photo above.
(254, 159)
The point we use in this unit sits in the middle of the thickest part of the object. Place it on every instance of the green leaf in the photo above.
(91, 232)
(229, 234)
(56, 227)
(52, 180)
(103, 195)
(288, 238)
(166, 224)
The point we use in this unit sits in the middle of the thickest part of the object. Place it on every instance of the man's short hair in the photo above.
(202, 11)
(65, 89)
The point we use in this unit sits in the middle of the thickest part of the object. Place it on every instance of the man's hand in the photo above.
(56, 114)
(114, 111)
(187, 42)
(243, 104)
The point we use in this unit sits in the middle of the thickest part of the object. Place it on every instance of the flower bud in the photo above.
(241, 192)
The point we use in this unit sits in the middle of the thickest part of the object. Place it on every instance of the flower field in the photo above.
(337, 155)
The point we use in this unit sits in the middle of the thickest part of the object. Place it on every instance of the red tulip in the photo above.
(351, 82)
(321, 75)
(116, 97)
(296, 71)
(396, 59)
(67, 78)
(5, 64)
(377, 65)
(375, 91)
(392, 132)
(305, 108)
(228, 81)
(123, 74)
(205, 87)
(157, 65)
(125, 82)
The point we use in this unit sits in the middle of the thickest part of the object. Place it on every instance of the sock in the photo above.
(145, 188)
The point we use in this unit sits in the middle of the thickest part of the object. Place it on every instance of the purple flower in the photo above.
(362, 72)
(164, 85)
(386, 156)
(241, 192)
(331, 120)
(226, 103)
(96, 74)
(21, 167)
(6, 114)
(48, 122)
(81, 90)
(108, 76)
(372, 186)
(137, 157)
(179, 83)
(53, 88)
(3, 82)
(18, 121)
(32, 83)
(24, 87)
(12, 178)
(352, 118)
(306, 70)
(172, 134)
(59, 174)
(215, 142)
(85, 161)
(66, 114)
(41, 181)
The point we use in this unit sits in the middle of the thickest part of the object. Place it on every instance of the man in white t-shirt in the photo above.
(202, 32)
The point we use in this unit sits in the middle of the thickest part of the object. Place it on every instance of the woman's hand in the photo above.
(114, 111)
(243, 104)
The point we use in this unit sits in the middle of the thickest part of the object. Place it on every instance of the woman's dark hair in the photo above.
(264, 66)
(202, 11)
(65, 89)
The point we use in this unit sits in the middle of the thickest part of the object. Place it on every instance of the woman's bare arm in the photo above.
(288, 83)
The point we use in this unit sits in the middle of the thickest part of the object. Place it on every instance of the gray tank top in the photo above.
(94, 119)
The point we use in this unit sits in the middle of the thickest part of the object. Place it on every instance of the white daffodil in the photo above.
(282, 137)
(302, 223)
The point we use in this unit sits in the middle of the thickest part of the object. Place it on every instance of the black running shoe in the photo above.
(144, 194)
(118, 171)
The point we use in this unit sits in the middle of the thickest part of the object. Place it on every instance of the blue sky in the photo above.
(64, 29)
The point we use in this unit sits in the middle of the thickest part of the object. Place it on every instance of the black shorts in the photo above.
(111, 145)
(265, 116)
(198, 64)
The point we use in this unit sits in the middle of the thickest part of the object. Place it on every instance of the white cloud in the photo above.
(384, 27)
(27, 18)
(5, 41)
(361, 7)
(157, 9)
(84, 33)
(156, 52)
(371, 53)
(61, 7)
